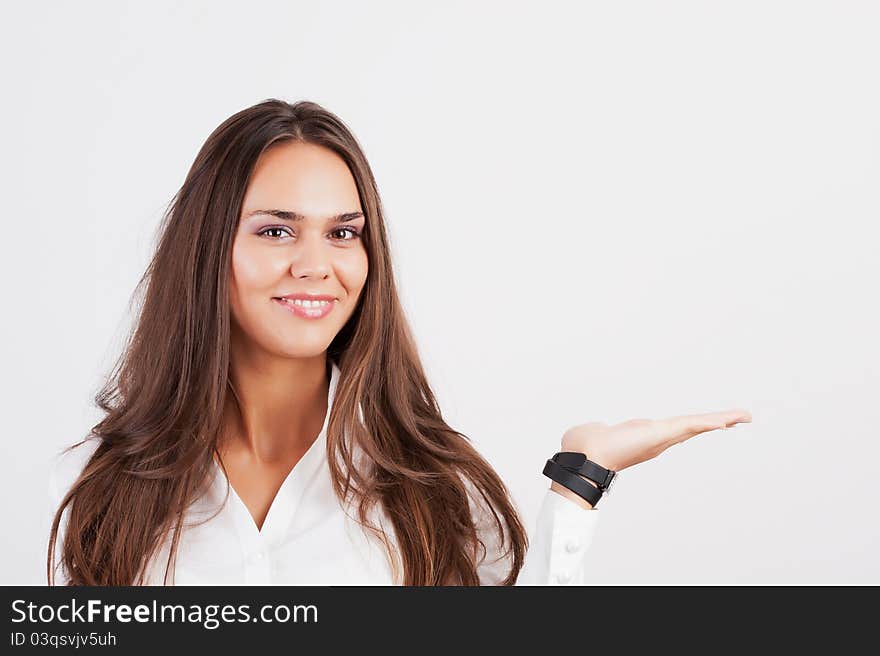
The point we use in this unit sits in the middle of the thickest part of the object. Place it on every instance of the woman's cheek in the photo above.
(254, 268)
(352, 270)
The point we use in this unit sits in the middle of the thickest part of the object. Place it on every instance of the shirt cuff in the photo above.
(571, 529)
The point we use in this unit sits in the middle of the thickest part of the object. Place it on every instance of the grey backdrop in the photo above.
(598, 211)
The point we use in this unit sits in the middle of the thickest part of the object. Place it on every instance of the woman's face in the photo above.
(308, 250)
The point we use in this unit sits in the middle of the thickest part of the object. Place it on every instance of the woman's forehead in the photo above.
(305, 178)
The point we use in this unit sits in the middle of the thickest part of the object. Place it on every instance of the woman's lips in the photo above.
(317, 312)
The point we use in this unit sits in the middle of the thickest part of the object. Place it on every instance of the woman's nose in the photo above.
(310, 259)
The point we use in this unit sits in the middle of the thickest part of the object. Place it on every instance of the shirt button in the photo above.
(563, 577)
(571, 546)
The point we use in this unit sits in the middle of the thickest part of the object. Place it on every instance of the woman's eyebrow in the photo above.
(289, 215)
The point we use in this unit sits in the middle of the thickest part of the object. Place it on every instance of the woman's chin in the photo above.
(303, 351)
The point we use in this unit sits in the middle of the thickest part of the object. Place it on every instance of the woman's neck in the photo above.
(275, 407)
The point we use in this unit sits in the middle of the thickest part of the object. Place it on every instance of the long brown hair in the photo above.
(164, 397)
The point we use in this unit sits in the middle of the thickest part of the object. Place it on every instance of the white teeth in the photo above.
(306, 304)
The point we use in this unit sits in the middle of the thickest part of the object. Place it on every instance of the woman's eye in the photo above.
(268, 230)
(354, 233)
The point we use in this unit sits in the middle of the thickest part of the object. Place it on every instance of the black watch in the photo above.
(578, 463)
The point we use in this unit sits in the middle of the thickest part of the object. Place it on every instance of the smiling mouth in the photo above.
(303, 303)
(307, 309)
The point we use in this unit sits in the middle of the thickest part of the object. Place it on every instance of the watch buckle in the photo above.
(610, 484)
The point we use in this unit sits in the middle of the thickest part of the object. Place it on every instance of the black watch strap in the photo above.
(573, 482)
(580, 464)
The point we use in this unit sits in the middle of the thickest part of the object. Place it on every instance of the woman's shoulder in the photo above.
(66, 465)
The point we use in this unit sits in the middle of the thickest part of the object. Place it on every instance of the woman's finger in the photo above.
(681, 428)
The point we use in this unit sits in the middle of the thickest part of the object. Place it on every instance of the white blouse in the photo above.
(309, 538)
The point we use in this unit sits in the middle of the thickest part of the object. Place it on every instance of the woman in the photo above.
(270, 316)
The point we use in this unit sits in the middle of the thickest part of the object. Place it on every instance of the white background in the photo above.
(599, 211)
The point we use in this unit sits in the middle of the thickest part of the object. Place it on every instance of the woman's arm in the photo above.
(558, 545)
(566, 523)
(574, 498)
